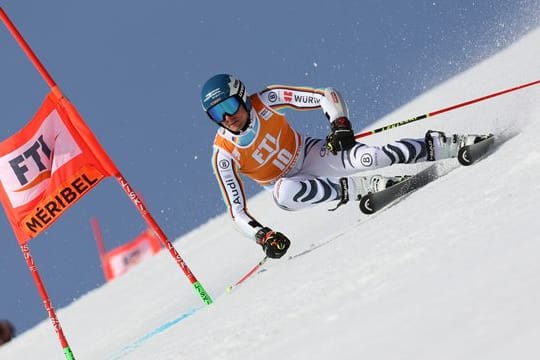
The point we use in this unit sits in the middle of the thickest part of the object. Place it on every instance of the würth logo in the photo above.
(287, 96)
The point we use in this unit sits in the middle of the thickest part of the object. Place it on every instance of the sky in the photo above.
(134, 71)
(449, 272)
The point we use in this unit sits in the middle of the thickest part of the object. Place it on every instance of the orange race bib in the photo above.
(268, 149)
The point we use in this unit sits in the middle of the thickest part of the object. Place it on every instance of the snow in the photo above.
(451, 272)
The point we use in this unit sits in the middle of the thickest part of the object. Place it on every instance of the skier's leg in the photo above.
(326, 177)
(300, 192)
(362, 157)
(434, 146)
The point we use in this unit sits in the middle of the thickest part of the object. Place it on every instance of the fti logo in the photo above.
(269, 149)
(36, 157)
(26, 170)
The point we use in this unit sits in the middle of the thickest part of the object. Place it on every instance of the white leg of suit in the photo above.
(317, 180)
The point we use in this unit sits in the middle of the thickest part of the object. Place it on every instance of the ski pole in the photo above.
(250, 272)
(437, 112)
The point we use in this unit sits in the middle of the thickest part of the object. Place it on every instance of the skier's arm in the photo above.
(273, 243)
(232, 190)
(328, 99)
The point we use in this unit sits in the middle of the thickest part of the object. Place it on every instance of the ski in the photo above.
(469, 154)
(373, 202)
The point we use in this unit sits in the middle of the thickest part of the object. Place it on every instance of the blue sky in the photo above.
(134, 71)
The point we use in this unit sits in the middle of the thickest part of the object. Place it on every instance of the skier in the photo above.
(255, 139)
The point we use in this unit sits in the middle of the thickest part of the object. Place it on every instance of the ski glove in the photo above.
(274, 243)
(341, 136)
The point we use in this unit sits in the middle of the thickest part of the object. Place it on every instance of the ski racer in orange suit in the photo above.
(255, 139)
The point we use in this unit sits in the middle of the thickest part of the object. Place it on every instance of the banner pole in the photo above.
(29, 53)
(98, 237)
(47, 302)
(440, 111)
(100, 245)
(145, 213)
(25, 249)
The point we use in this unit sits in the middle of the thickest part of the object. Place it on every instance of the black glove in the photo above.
(341, 136)
(274, 243)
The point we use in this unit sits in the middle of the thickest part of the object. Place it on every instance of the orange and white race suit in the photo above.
(298, 170)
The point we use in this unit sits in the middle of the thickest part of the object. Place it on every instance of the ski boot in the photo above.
(363, 185)
(440, 146)
(370, 184)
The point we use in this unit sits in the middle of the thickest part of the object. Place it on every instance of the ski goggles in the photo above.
(229, 106)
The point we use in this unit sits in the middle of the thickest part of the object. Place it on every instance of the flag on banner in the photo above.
(48, 166)
(119, 260)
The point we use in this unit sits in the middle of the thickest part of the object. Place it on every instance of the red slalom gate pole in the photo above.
(47, 302)
(25, 249)
(99, 238)
(28, 51)
(101, 247)
(450, 108)
(145, 213)
(141, 207)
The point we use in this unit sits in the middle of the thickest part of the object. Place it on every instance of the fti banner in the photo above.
(48, 166)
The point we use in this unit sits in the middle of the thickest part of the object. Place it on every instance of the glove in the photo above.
(274, 243)
(341, 136)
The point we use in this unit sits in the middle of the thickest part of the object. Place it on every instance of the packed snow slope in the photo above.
(450, 272)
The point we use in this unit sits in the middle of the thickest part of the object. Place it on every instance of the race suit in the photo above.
(298, 170)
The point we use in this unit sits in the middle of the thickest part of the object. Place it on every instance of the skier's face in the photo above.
(236, 121)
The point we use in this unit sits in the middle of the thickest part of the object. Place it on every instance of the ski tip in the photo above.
(365, 205)
(469, 154)
(464, 156)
